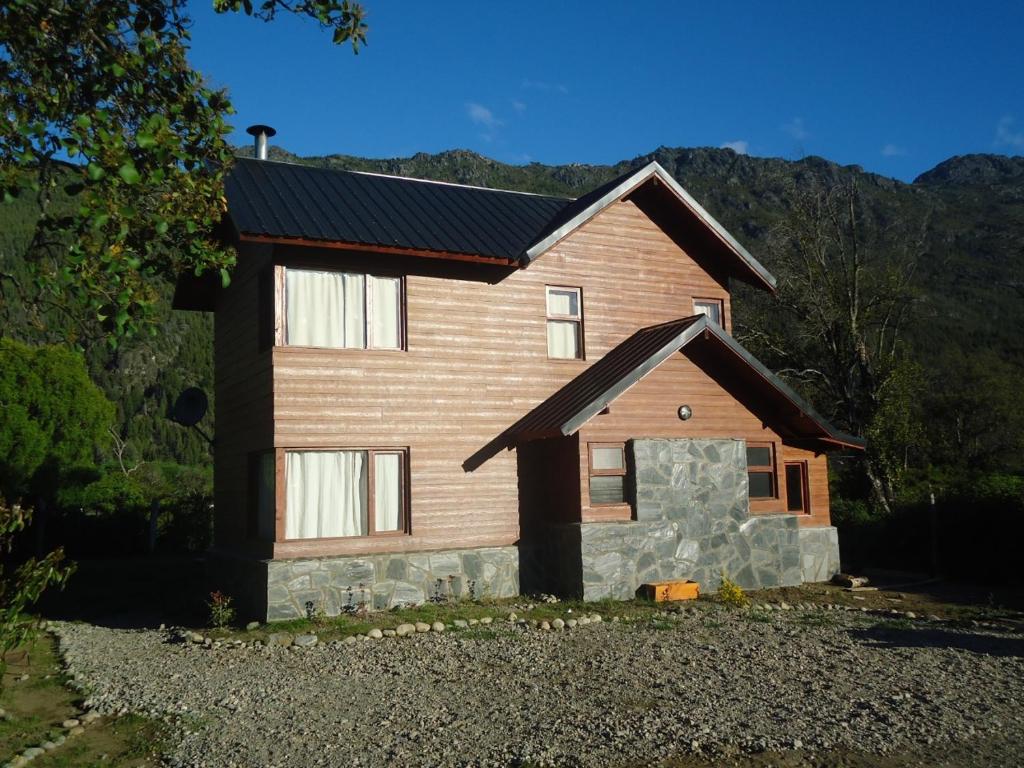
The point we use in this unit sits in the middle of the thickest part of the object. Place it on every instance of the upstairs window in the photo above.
(711, 308)
(607, 473)
(333, 494)
(565, 323)
(342, 310)
(761, 470)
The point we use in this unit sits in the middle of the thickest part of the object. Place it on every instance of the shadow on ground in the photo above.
(132, 593)
(888, 636)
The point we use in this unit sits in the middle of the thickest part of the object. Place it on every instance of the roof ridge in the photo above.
(408, 178)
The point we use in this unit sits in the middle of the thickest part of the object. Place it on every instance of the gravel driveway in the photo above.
(605, 694)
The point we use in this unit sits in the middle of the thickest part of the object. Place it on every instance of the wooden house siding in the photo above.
(243, 387)
(476, 361)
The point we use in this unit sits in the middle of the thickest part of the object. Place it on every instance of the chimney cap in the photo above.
(256, 130)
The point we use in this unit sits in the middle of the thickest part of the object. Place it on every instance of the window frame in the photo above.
(282, 305)
(577, 319)
(805, 489)
(720, 303)
(254, 479)
(623, 473)
(770, 469)
(404, 527)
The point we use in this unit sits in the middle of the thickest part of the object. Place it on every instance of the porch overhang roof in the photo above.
(707, 344)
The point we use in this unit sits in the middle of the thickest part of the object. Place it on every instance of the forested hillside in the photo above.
(968, 306)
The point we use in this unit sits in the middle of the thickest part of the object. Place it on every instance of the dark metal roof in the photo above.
(597, 387)
(284, 200)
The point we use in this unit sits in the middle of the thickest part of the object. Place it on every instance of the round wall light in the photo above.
(685, 412)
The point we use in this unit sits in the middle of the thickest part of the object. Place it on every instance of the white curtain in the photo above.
(562, 339)
(386, 500)
(326, 494)
(325, 309)
(562, 302)
(607, 458)
(385, 299)
(712, 310)
(266, 506)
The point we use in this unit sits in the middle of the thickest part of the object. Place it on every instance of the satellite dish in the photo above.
(190, 407)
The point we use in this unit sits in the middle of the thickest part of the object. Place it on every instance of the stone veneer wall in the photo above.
(692, 522)
(819, 553)
(386, 581)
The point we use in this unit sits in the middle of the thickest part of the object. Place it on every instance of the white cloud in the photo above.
(1006, 136)
(892, 150)
(518, 106)
(540, 85)
(481, 115)
(739, 146)
(796, 128)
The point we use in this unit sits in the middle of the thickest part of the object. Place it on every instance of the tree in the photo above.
(54, 419)
(120, 146)
(844, 296)
(20, 589)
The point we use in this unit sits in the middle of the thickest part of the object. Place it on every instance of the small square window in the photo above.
(607, 473)
(761, 471)
(711, 308)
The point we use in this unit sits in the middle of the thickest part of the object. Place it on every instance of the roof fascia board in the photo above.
(831, 434)
(712, 223)
(366, 248)
(688, 334)
(603, 400)
(627, 186)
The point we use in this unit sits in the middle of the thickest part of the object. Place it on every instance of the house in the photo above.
(427, 389)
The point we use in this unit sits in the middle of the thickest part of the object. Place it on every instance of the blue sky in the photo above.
(895, 87)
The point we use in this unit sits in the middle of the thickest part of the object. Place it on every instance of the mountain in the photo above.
(971, 281)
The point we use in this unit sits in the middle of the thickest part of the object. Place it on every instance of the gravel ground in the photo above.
(704, 682)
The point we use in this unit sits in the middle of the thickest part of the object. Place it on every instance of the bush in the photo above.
(976, 522)
(731, 594)
(222, 613)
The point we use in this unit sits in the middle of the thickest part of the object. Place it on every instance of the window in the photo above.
(761, 470)
(330, 494)
(712, 308)
(565, 323)
(342, 310)
(796, 487)
(262, 499)
(607, 473)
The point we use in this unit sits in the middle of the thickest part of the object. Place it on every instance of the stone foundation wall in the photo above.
(692, 522)
(386, 581)
(819, 553)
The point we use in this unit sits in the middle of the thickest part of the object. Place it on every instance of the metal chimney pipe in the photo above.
(261, 133)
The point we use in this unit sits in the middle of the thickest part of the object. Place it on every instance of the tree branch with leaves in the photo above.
(121, 147)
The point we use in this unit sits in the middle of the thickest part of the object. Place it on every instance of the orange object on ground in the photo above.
(665, 591)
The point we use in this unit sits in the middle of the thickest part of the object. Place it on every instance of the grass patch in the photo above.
(345, 625)
(890, 625)
(816, 619)
(37, 706)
